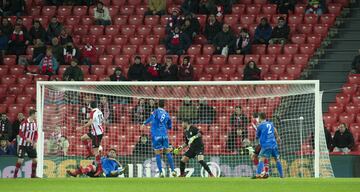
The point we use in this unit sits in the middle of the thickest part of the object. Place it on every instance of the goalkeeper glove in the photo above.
(177, 151)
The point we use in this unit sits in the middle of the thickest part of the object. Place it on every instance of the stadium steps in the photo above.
(332, 62)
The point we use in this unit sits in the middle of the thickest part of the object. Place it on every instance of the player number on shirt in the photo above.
(162, 117)
(268, 126)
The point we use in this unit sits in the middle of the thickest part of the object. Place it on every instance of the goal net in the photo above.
(223, 111)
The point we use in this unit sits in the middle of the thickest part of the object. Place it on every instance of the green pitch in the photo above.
(178, 184)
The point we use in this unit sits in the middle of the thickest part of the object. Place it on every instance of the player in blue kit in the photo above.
(269, 139)
(110, 167)
(160, 122)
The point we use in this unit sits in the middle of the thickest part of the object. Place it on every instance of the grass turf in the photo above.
(178, 184)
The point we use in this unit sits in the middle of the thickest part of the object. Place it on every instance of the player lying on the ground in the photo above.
(193, 139)
(160, 122)
(95, 133)
(269, 139)
(110, 167)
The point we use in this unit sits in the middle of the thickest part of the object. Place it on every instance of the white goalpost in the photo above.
(222, 110)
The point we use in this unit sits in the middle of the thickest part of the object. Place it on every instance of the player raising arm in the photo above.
(95, 135)
(193, 139)
(28, 134)
(110, 167)
(268, 136)
(160, 122)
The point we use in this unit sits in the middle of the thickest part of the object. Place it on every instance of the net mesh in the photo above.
(223, 113)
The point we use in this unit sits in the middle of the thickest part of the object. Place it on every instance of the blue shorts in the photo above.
(160, 142)
(269, 152)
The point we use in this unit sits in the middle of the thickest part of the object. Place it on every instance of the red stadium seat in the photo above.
(113, 49)
(335, 108)
(143, 30)
(291, 48)
(159, 50)
(228, 69)
(64, 10)
(253, 9)
(298, 38)
(3, 70)
(198, 69)
(330, 119)
(314, 39)
(113, 10)
(120, 40)
(27, 21)
(15, 108)
(218, 60)
(127, 10)
(35, 10)
(17, 70)
(300, 8)
(112, 30)
(9, 60)
(48, 11)
(80, 10)
(151, 20)
(88, 39)
(72, 20)
(301, 59)
(159, 30)
(283, 59)
(194, 49)
(141, 9)
(145, 49)
(269, 9)
(321, 29)
(267, 59)
(356, 100)
(270, 77)
(349, 89)
(90, 77)
(129, 49)
(334, 8)
(202, 59)
(352, 109)
(122, 60)
(135, 20)
(128, 30)
(104, 39)
(247, 19)
(307, 49)
(106, 59)
(355, 128)
(152, 40)
(295, 19)
(304, 28)
(238, 9)
(120, 20)
(41, 78)
(274, 49)
(136, 40)
(205, 77)
(200, 39)
(342, 98)
(220, 77)
(354, 78)
(311, 19)
(96, 30)
(208, 49)
(98, 70)
(328, 19)
(231, 19)
(81, 30)
(8, 79)
(255, 58)
(23, 99)
(258, 49)
(277, 69)
(293, 70)
(236, 60)
(347, 118)
(15, 89)
(212, 69)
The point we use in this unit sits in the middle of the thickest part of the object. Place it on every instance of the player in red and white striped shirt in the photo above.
(28, 134)
(96, 124)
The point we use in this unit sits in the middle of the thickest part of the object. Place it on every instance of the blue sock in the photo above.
(158, 162)
(170, 161)
(260, 167)
(279, 168)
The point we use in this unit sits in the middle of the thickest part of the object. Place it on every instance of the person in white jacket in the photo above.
(101, 14)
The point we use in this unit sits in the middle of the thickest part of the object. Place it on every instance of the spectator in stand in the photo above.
(284, 6)
(174, 21)
(152, 70)
(168, 71)
(104, 107)
(140, 112)
(5, 125)
(89, 55)
(191, 26)
(328, 138)
(355, 66)
(224, 6)
(6, 27)
(252, 72)
(207, 7)
(52, 142)
(143, 146)
(16, 126)
(223, 40)
(156, 7)
(136, 70)
(343, 139)
(238, 123)
(280, 33)
(186, 70)
(17, 7)
(101, 14)
(314, 7)
(5, 8)
(212, 27)
(6, 148)
(190, 6)
(242, 44)
(20, 21)
(70, 53)
(206, 113)
(54, 28)
(18, 41)
(37, 31)
(117, 75)
(73, 72)
(177, 42)
(64, 37)
(39, 51)
(187, 111)
(57, 50)
(63, 146)
(48, 65)
(4, 39)
(263, 32)
(150, 107)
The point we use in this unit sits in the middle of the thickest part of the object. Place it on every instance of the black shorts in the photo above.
(95, 140)
(194, 151)
(29, 150)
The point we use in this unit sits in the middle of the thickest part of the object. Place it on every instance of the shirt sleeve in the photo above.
(169, 123)
(258, 132)
(150, 119)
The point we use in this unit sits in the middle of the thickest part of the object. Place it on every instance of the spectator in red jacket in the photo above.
(89, 55)
(251, 71)
(152, 70)
(18, 41)
(186, 70)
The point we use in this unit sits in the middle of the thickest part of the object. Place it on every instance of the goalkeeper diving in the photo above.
(193, 139)
(110, 167)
